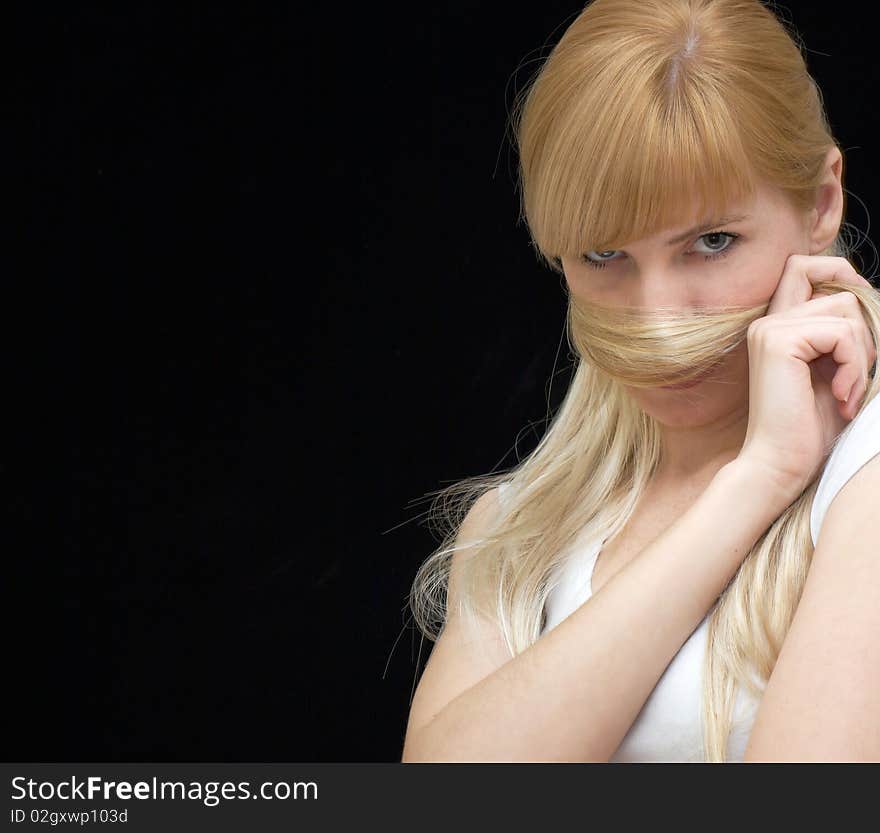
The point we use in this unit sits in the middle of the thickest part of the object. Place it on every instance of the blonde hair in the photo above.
(642, 107)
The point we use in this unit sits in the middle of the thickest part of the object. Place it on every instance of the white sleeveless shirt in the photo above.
(668, 728)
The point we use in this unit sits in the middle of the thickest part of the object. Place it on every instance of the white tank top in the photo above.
(668, 727)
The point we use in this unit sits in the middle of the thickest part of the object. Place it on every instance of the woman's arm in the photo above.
(822, 702)
(573, 694)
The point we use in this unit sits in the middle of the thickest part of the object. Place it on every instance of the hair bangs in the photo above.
(671, 158)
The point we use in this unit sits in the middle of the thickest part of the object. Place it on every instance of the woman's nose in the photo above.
(651, 288)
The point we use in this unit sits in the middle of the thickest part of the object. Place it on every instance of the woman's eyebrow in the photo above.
(705, 227)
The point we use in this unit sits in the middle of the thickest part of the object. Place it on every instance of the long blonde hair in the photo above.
(642, 107)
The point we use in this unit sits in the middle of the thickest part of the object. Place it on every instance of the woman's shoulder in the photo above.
(856, 445)
(483, 512)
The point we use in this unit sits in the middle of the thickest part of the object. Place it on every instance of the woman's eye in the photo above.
(714, 244)
(598, 259)
(718, 244)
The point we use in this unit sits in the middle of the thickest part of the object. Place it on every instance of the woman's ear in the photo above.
(827, 215)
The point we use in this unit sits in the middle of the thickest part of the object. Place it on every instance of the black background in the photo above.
(273, 292)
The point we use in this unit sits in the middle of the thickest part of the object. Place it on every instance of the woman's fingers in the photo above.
(809, 358)
(850, 380)
(844, 305)
(833, 336)
(801, 272)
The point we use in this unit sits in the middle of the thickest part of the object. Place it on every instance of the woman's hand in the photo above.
(809, 359)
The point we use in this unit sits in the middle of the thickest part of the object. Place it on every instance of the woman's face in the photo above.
(738, 261)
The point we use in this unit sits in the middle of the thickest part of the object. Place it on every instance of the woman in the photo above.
(651, 584)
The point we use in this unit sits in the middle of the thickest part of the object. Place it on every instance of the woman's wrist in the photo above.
(760, 485)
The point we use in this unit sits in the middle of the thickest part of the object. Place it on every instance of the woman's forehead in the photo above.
(689, 216)
(680, 234)
(610, 215)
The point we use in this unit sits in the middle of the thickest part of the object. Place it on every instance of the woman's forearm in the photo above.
(573, 694)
